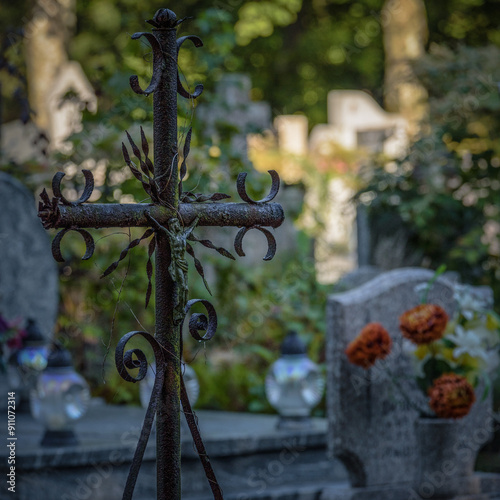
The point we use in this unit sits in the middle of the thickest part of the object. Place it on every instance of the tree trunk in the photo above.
(46, 36)
(405, 34)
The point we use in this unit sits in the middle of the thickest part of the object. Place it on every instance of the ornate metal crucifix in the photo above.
(170, 218)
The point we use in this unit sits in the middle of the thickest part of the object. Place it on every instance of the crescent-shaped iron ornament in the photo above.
(180, 88)
(158, 59)
(87, 237)
(271, 242)
(199, 322)
(87, 191)
(125, 361)
(275, 187)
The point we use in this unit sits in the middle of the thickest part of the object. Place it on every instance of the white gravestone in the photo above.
(355, 120)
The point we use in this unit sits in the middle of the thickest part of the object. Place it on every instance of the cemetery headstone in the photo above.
(28, 272)
(66, 113)
(355, 120)
(232, 106)
(371, 427)
(356, 278)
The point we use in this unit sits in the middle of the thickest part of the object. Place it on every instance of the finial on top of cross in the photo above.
(165, 19)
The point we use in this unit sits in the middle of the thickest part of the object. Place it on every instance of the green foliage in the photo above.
(258, 19)
(95, 313)
(256, 307)
(445, 192)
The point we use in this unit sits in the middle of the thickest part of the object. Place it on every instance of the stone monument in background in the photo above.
(28, 272)
(357, 127)
(356, 121)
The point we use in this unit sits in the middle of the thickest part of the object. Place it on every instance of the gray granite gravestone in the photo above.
(28, 272)
(371, 428)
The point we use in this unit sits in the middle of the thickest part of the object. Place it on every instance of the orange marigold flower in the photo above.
(423, 324)
(452, 396)
(372, 343)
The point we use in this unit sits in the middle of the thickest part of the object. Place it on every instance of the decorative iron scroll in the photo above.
(136, 359)
(125, 361)
(199, 322)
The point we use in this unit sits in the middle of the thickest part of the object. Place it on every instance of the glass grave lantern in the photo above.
(60, 398)
(294, 384)
(26, 363)
(190, 381)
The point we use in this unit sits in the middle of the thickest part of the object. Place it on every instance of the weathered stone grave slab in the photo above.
(254, 460)
(371, 428)
(28, 272)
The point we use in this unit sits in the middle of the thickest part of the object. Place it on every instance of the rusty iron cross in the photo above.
(170, 219)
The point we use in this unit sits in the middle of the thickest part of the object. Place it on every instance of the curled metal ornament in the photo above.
(87, 237)
(87, 191)
(180, 89)
(158, 60)
(125, 361)
(275, 186)
(271, 242)
(199, 322)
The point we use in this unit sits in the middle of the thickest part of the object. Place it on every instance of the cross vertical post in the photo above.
(168, 431)
(171, 216)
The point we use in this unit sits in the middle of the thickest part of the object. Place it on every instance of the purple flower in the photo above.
(4, 326)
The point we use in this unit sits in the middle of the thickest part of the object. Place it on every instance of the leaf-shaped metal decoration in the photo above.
(190, 197)
(124, 252)
(198, 266)
(149, 269)
(185, 154)
(145, 149)
(209, 244)
(147, 168)
(48, 210)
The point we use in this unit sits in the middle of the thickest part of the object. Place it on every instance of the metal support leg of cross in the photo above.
(167, 216)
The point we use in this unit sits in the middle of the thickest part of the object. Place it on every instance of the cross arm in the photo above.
(99, 215)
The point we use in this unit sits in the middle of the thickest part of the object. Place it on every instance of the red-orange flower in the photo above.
(452, 396)
(424, 323)
(372, 343)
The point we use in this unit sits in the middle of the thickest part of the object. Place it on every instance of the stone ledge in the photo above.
(114, 430)
(252, 459)
(489, 490)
